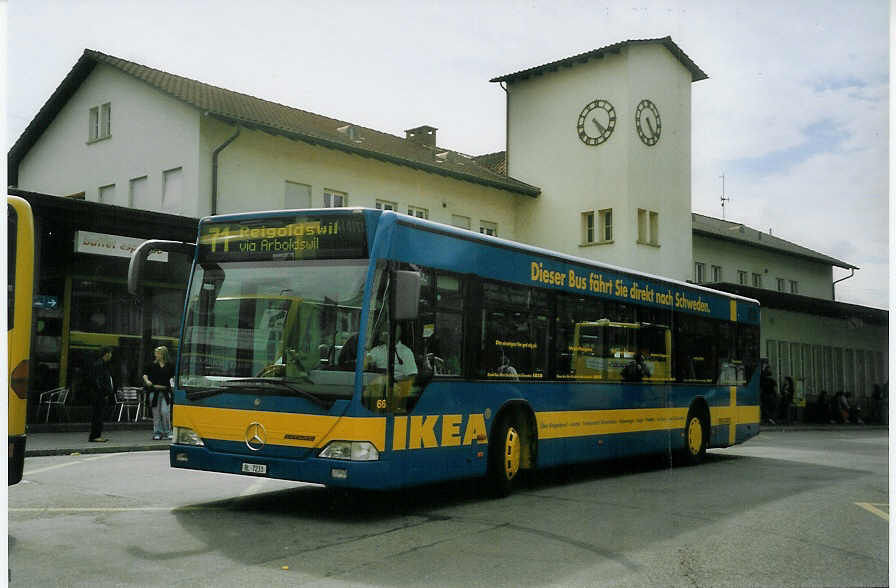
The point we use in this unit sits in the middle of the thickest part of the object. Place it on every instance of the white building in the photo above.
(597, 165)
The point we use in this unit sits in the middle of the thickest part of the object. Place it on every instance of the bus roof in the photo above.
(389, 216)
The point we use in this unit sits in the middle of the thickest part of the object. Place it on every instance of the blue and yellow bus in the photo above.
(369, 349)
(19, 295)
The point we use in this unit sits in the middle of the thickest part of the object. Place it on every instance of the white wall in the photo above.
(814, 278)
(253, 170)
(622, 173)
(150, 133)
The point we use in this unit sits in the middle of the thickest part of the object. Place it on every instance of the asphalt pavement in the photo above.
(66, 439)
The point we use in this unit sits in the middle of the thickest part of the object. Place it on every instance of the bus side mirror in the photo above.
(407, 295)
(138, 259)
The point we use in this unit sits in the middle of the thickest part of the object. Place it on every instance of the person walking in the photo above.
(102, 386)
(157, 381)
(787, 410)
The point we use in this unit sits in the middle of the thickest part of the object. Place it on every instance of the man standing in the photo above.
(102, 387)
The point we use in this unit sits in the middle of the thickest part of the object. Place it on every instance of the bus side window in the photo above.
(513, 339)
(696, 352)
(439, 333)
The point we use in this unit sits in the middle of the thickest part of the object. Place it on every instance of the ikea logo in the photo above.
(438, 430)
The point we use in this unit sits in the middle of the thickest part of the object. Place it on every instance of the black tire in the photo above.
(695, 438)
(504, 456)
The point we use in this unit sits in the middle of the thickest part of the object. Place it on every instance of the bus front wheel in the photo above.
(505, 453)
(695, 438)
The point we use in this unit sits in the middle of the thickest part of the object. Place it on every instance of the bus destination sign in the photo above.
(284, 238)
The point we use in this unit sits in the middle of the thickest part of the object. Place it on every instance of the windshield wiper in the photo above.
(259, 383)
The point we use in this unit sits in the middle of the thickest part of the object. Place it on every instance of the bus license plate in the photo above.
(255, 468)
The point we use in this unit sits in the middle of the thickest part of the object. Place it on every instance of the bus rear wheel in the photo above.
(695, 439)
(505, 455)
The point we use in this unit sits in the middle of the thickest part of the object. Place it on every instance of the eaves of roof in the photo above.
(738, 233)
(255, 113)
(807, 305)
(697, 74)
(95, 216)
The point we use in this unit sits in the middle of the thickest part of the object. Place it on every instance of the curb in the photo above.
(90, 450)
(820, 427)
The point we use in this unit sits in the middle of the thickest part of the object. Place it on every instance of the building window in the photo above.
(716, 274)
(794, 287)
(488, 228)
(173, 190)
(587, 227)
(648, 227)
(459, 221)
(386, 205)
(138, 196)
(296, 195)
(605, 225)
(742, 277)
(780, 284)
(100, 122)
(699, 272)
(418, 212)
(107, 194)
(757, 280)
(334, 199)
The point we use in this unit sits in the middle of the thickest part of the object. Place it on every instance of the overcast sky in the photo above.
(794, 113)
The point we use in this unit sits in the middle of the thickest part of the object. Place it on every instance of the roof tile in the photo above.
(738, 232)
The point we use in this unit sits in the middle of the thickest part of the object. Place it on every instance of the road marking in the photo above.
(68, 463)
(873, 509)
(116, 509)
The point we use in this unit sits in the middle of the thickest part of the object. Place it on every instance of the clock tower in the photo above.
(606, 135)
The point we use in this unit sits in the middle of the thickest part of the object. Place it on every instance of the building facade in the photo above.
(597, 164)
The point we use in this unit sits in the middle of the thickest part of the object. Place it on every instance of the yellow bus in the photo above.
(20, 288)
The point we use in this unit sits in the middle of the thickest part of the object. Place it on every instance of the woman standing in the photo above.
(156, 379)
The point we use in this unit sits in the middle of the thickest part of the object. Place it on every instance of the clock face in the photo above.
(596, 122)
(647, 121)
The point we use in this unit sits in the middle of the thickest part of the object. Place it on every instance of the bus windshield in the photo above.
(260, 323)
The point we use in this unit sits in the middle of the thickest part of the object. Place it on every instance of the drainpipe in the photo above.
(852, 272)
(506, 129)
(215, 153)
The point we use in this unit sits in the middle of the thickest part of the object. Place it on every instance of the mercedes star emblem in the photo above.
(255, 436)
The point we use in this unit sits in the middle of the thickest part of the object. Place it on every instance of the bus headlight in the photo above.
(185, 436)
(351, 450)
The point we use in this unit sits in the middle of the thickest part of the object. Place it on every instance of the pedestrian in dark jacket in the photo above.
(768, 395)
(102, 386)
(787, 409)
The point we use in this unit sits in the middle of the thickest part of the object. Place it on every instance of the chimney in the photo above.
(425, 136)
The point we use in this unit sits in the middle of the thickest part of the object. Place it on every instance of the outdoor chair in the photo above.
(57, 397)
(127, 398)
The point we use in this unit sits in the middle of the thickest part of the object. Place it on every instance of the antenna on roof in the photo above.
(723, 198)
